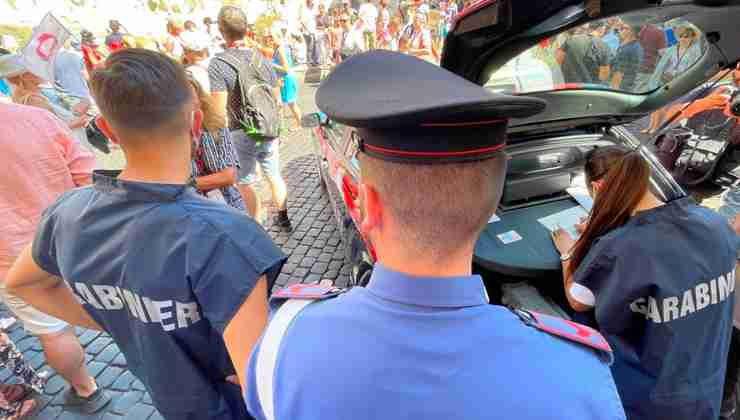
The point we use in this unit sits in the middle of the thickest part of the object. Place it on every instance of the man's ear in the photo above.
(105, 128)
(371, 209)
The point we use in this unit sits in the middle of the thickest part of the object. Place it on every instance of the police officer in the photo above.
(660, 278)
(180, 282)
(422, 341)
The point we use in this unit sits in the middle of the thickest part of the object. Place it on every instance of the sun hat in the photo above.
(12, 65)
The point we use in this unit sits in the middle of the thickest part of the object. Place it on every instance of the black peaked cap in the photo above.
(406, 109)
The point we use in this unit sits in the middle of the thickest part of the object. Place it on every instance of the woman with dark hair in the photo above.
(660, 280)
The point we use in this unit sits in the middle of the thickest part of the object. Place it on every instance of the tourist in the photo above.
(90, 52)
(215, 163)
(368, 15)
(46, 162)
(351, 42)
(253, 147)
(417, 38)
(307, 16)
(283, 62)
(178, 281)
(29, 89)
(627, 62)
(114, 40)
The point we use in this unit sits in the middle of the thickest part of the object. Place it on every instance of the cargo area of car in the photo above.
(527, 273)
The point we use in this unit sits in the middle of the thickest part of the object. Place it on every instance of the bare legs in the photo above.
(65, 355)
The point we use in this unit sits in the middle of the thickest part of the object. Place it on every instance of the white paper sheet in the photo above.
(581, 195)
(566, 219)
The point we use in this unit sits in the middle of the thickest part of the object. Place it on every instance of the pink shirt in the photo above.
(40, 160)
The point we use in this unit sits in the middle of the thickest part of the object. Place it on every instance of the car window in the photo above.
(636, 55)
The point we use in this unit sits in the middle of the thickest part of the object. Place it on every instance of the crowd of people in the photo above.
(627, 56)
(181, 281)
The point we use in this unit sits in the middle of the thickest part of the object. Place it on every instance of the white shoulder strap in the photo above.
(268, 352)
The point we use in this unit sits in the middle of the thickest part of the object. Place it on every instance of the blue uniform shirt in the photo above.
(163, 270)
(430, 348)
(664, 291)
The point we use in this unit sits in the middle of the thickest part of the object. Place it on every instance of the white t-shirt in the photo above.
(368, 15)
(353, 41)
(200, 74)
(308, 19)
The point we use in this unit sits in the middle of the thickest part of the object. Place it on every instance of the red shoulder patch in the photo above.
(307, 291)
(569, 330)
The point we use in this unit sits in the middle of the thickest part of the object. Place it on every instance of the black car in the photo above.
(516, 47)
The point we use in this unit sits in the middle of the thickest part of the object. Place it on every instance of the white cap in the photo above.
(423, 8)
(195, 41)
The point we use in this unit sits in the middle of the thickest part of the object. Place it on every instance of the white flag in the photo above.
(48, 38)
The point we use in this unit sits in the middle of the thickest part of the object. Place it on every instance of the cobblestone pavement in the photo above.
(314, 253)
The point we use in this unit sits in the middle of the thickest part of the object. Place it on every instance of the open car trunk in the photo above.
(499, 43)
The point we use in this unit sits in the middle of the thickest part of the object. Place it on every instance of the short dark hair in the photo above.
(143, 90)
(439, 207)
(232, 21)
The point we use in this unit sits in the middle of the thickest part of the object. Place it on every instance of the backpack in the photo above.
(260, 107)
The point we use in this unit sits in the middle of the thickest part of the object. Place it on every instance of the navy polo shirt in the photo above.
(662, 287)
(163, 270)
(430, 348)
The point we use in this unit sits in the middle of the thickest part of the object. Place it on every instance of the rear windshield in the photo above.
(634, 56)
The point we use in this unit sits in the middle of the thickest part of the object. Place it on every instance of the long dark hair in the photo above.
(626, 176)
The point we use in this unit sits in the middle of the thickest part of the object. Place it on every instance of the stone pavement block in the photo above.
(37, 360)
(55, 385)
(44, 406)
(5, 375)
(49, 412)
(125, 402)
(307, 262)
(319, 268)
(123, 383)
(108, 354)
(75, 415)
(120, 360)
(88, 336)
(156, 416)
(98, 345)
(17, 334)
(95, 368)
(147, 399)
(138, 385)
(108, 376)
(25, 344)
(139, 412)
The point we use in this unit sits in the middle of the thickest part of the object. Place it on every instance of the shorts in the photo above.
(250, 153)
(34, 321)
